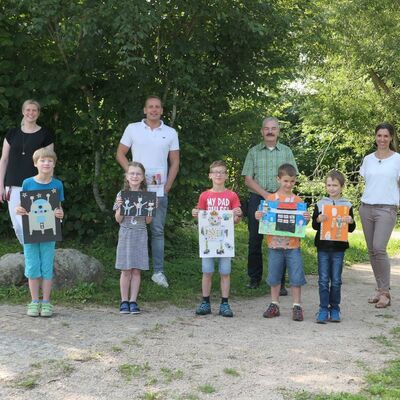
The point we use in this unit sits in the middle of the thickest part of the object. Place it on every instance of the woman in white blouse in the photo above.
(379, 204)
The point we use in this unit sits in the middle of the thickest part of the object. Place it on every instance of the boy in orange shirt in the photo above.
(284, 249)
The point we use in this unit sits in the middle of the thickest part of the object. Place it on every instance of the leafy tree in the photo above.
(92, 63)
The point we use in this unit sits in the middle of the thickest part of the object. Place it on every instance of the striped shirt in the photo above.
(262, 164)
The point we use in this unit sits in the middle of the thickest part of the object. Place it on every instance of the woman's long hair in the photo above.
(393, 145)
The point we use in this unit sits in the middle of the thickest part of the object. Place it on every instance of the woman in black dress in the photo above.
(16, 162)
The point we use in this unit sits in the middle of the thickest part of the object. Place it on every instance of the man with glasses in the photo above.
(260, 170)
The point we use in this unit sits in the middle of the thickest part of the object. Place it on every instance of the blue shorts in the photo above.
(277, 259)
(224, 265)
(39, 260)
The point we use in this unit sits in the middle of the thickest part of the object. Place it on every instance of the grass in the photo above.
(171, 374)
(129, 371)
(207, 388)
(183, 269)
(231, 372)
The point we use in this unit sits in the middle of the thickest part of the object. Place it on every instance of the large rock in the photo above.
(12, 268)
(70, 267)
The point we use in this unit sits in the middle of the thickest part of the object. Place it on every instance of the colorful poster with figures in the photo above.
(216, 234)
(138, 204)
(40, 225)
(334, 228)
(282, 219)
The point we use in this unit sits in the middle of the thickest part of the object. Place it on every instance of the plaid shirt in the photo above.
(262, 164)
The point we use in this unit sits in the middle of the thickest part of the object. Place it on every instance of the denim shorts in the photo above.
(224, 265)
(277, 259)
(39, 260)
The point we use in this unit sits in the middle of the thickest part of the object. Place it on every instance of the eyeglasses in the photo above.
(134, 174)
(218, 172)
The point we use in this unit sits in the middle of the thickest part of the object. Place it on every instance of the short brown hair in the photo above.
(44, 152)
(334, 174)
(218, 163)
(286, 169)
(153, 96)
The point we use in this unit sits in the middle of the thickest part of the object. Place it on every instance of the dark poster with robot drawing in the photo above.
(138, 203)
(40, 225)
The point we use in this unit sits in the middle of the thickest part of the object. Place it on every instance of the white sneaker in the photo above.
(160, 279)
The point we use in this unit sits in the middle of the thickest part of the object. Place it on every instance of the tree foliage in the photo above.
(92, 63)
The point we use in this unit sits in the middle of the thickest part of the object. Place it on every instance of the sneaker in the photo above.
(124, 307)
(272, 311)
(283, 291)
(133, 308)
(322, 316)
(297, 313)
(33, 309)
(46, 310)
(335, 315)
(160, 279)
(203, 308)
(225, 310)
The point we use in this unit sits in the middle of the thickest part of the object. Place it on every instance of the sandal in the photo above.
(384, 300)
(375, 298)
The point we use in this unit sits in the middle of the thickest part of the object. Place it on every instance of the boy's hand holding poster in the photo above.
(138, 204)
(40, 225)
(334, 228)
(282, 219)
(216, 234)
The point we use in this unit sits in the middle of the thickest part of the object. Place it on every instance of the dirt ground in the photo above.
(169, 353)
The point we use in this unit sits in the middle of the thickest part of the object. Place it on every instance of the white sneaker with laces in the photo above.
(160, 279)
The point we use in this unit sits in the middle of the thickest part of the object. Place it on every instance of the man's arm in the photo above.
(255, 187)
(173, 169)
(121, 156)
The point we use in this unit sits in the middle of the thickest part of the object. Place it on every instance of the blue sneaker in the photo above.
(225, 310)
(203, 308)
(124, 307)
(322, 316)
(133, 308)
(335, 315)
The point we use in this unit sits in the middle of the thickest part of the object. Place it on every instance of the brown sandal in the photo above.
(375, 298)
(384, 300)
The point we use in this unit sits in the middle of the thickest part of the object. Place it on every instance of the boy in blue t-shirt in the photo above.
(39, 257)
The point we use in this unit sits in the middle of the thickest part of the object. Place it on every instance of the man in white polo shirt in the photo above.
(156, 146)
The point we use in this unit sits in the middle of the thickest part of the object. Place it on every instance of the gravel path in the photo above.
(168, 353)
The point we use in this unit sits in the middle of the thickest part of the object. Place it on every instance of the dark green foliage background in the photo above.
(326, 70)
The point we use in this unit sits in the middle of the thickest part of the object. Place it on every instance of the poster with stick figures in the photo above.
(138, 204)
(334, 228)
(216, 234)
(40, 225)
(282, 218)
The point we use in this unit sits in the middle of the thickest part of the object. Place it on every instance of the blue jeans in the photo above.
(330, 265)
(157, 234)
(278, 259)
(224, 265)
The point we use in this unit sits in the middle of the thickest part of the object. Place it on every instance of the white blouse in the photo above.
(381, 179)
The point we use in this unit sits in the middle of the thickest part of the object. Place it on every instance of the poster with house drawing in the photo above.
(282, 219)
(40, 225)
(138, 204)
(334, 228)
(216, 234)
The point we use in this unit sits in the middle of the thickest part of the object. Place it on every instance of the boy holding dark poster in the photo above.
(39, 257)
